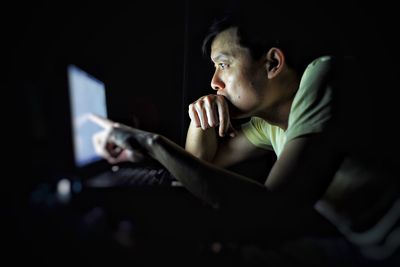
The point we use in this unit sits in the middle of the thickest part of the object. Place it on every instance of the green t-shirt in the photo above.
(362, 194)
(310, 112)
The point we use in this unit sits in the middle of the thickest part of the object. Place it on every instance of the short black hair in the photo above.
(261, 26)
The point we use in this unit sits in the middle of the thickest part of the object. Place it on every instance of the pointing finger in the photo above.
(101, 121)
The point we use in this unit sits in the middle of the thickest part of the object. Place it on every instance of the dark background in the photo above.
(149, 55)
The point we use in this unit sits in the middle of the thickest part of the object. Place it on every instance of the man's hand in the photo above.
(112, 142)
(212, 111)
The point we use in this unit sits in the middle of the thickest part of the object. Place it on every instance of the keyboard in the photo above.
(133, 176)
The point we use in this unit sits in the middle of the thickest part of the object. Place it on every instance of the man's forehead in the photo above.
(220, 55)
(225, 44)
(227, 37)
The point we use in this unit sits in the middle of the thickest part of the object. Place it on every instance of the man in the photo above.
(298, 104)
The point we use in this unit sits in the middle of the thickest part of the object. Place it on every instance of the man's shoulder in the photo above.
(331, 61)
(326, 59)
(331, 68)
(319, 65)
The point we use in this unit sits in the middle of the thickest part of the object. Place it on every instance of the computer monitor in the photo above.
(87, 95)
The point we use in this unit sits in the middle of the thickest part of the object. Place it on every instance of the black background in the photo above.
(149, 55)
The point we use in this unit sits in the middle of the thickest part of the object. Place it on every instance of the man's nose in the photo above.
(216, 82)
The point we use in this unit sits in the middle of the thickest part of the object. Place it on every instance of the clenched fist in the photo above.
(212, 111)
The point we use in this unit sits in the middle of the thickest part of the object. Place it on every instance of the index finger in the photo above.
(224, 120)
(101, 121)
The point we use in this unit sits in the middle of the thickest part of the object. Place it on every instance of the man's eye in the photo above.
(222, 65)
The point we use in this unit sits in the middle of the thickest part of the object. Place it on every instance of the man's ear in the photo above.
(275, 59)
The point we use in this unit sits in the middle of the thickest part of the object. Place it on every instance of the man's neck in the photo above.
(279, 114)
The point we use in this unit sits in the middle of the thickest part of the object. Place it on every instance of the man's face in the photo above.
(237, 76)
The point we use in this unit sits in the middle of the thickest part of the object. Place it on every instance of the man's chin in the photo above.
(239, 116)
(236, 113)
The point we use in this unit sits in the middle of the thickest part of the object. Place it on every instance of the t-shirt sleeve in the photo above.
(311, 110)
(254, 131)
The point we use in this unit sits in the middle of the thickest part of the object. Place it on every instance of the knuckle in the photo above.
(220, 98)
(199, 104)
(191, 108)
(206, 126)
(207, 100)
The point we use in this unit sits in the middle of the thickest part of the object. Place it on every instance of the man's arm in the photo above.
(202, 144)
(217, 186)
(296, 182)
(223, 152)
(211, 136)
(209, 119)
(119, 142)
(306, 167)
(301, 174)
(298, 179)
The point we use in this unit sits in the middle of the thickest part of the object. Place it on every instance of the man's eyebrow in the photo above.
(220, 56)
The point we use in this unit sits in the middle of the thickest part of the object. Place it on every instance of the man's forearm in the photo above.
(201, 143)
(246, 206)
(212, 184)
